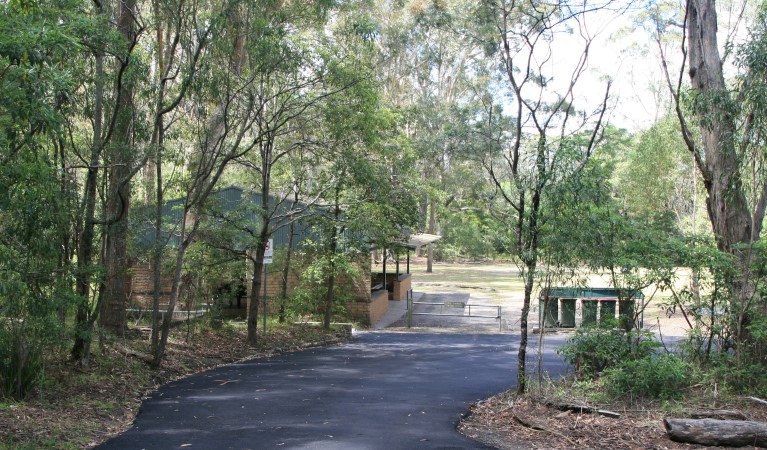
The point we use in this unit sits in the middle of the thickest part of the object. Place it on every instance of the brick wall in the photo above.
(273, 286)
(361, 308)
(369, 311)
(400, 287)
(141, 286)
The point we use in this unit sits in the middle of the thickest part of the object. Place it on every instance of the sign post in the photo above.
(268, 253)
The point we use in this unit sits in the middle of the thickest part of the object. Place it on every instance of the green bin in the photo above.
(568, 313)
(607, 310)
(589, 312)
(552, 313)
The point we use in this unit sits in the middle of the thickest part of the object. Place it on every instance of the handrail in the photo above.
(411, 313)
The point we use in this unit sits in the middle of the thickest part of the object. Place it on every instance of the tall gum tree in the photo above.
(721, 139)
(549, 139)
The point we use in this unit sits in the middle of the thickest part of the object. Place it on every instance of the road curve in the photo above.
(383, 390)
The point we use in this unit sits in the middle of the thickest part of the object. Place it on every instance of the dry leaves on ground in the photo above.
(510, 422)
(81, 407)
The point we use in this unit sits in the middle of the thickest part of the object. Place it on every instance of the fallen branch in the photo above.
(730, 433)
(583, 409)
(529, 424)
(539, 427)
(757, 400)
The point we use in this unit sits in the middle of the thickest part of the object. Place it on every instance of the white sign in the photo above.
(269, 251)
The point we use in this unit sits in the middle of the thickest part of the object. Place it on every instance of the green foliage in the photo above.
(662, 377)
(594, 349)
(725, 372)
(21, 364)
(34, 282)
(657, 178)
(465, 236)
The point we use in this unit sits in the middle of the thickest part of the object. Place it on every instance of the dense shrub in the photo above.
(661, 376)
(20, 366)
(593, 349)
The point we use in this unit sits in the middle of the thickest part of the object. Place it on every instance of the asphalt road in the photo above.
(384, 390)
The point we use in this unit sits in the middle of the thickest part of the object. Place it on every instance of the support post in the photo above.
(408, 260)
(263, 302)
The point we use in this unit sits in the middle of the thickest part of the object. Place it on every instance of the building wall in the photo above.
(400, 287)
(141, 287)
(369, 311)
(360, 307)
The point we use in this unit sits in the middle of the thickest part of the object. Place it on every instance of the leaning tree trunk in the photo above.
(80, 350)
(719, 164)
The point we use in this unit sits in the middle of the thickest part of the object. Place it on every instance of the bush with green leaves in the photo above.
(596, 348)
(664, 377)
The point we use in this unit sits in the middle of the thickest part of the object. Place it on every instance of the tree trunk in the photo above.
(332, 249)
(186, 239)
(286, 270)
(255, 288)
(118, 202)
(714, 432)
(157, 251)
(727, 207)
(432, 230)
(85, 247)
(523, 322)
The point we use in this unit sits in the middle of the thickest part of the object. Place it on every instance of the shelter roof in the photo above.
(594, 293)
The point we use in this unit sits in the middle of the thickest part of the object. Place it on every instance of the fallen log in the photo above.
(730, 433)
(721, 414)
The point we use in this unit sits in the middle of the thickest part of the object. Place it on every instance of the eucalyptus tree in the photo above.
(425, 74)
(183, 35)
(368, 196)
(108, 107)
(549, 140)
(292, 65)
(228, 106)
(722, 127)
(657, 177)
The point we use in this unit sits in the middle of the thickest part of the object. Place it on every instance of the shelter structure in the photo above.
(570, 307)
(369, 291)
(396, 283)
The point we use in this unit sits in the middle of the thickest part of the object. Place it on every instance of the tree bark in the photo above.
(286, 267)
(730, 433)
(728, 210)
(332, 249)
(118, 203)
(726, 203)
(432, 230)
(80, 349)
(255, 287)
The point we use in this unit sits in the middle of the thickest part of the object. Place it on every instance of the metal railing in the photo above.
(451, 306)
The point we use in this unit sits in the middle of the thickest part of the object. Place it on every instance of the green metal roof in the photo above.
(220, 203)
(591, 292)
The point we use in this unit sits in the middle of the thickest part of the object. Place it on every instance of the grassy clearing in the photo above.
(497, 283)
(500, 284)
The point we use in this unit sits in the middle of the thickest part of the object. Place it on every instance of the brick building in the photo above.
(367, 293)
